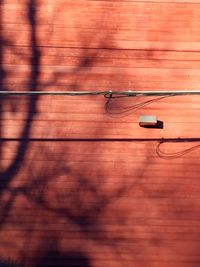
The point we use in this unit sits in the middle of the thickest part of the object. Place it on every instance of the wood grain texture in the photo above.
(81, 183)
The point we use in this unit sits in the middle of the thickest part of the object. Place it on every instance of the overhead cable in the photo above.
(108, 93)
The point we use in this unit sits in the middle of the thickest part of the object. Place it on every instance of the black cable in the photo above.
(173, 155)
(129, 109)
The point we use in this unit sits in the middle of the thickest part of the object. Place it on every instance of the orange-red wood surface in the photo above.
(81, 183)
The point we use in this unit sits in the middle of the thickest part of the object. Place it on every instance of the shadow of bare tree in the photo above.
(58, 205)
(9, 173)
(8, 263)
(37, 188)
(56, 258)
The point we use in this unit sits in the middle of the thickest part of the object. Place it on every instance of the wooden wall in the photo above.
(81, 184)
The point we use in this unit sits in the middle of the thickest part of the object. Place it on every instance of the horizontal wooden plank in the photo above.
(126, 241)
(152, 175)
(88, 131)
(49, 63)
(48, 11)
(110, 79)
(54, 82)
(188, 201)
(111, 118)
(166, 73)
(174, 252)
(19, 53)
(178, 41)
(101, 147)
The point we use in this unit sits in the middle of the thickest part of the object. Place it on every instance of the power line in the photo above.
(108, 93)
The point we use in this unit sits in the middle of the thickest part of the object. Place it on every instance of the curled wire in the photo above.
(128, 109)
(173, 155)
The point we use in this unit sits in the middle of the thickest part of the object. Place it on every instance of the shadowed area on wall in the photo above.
(54, 258)
(58, 259)
(8, 263)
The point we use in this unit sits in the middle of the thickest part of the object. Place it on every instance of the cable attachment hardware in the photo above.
(110, 94)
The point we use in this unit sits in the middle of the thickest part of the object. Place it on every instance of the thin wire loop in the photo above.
(128, 109)
(174, 155)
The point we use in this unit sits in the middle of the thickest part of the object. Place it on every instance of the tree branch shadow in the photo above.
(69, 203)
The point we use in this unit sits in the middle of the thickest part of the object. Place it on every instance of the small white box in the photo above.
(146, 120)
